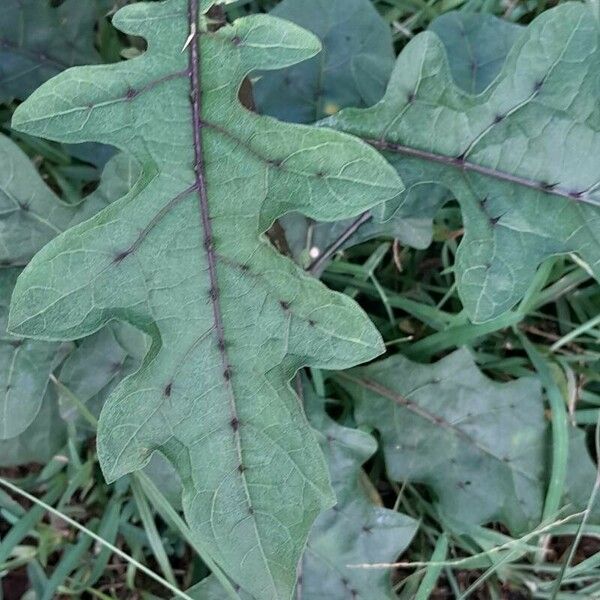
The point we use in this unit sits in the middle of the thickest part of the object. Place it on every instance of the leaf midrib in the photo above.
(431, 418)
(465, 166)
(195, 70)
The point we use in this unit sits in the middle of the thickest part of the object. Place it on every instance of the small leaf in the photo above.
(182, 258)
(98, 364)
(522, 157)
(30, 216)
(354, 532)
(352, 68)
(38, 41)
(479, 445)
(30, 212)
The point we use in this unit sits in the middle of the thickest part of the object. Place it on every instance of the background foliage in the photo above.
(466, 453)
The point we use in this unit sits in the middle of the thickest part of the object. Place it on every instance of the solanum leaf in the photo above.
(476, 45)
(521, 158)
(44, 437)
(354, 532)
(182, 258)
(478, 444)
(352, 69)
(581, 476)
(98, 364)
(38, 41)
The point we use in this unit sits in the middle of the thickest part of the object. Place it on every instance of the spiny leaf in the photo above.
(522, 157)
(479, 445)
(354, 532)
(352, 68)
(476, 45)
(181, 257)
(38, 41)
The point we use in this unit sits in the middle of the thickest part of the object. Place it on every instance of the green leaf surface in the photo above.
(521, 157)
(354, 532)
(30, 212)
(352, 69)
(38, 41)
(477, 45)
(182, 258)
(478, 444)
(581, 476)
(99, 363)
(44, 437)
(25, 366)
(30, 216)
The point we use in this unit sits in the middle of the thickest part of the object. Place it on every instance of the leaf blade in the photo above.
(182, 258)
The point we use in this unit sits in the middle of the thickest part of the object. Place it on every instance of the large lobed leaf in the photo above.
(478, 444)
(476, 45)
(182, 258)
(522, 157)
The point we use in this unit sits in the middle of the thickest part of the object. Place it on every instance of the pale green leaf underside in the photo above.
(354, 532)
(476, 45)
(523, 157)
(25, 366)
(30, 212)
(478, 444)
(181, 257)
